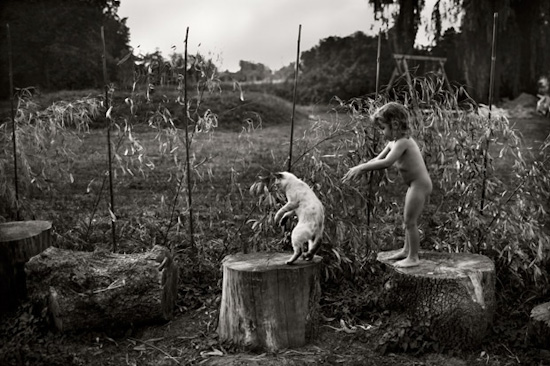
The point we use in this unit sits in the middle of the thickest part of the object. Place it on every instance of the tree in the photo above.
(523, 38)
(57, 43)
(406, 21)
(342, 67)
(251, 71)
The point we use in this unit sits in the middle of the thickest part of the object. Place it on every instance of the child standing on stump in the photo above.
(402, 151)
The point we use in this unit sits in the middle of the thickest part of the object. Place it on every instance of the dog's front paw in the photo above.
(289, 262)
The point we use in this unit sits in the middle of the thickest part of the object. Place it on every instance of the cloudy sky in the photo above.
(261, 31)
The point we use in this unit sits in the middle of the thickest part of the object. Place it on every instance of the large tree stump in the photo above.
(104, 290)
(267, 304)
(19, 241)
(538, 331)
(453, 294)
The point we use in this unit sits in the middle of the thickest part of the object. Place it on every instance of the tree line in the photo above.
(56, 44)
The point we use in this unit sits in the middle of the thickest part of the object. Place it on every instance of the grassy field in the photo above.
(252, 139)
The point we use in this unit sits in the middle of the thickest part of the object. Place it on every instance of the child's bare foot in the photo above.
(407, 262)
(399, 255)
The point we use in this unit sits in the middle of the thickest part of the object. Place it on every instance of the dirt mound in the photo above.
(524, 106)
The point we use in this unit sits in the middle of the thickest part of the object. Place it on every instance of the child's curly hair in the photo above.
(394, 115)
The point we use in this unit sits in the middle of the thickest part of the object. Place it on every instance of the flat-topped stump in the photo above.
(267, 304)
(453, 294)
(19, 241)
(538, 330)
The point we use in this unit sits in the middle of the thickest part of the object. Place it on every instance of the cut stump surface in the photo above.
(19, 241)
(453, 294)
(538, 331)
(267, 304)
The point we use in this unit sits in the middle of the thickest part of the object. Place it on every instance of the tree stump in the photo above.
(19, 241)
(104, 290)
(453, 294)
(538, 331)
(267, 304)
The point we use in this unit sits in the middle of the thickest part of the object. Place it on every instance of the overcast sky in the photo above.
(260, 31)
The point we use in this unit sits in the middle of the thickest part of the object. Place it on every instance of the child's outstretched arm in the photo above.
(384, 160)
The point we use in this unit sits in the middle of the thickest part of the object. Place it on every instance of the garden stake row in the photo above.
(108, 114)
(491, 82)
(15, 178)
(294, 98)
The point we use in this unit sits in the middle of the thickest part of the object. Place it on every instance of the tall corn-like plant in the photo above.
(510, 228)
(44, 136)
(451, 130)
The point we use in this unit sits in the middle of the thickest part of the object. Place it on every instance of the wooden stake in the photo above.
(187, 143)
(378, 62)
(15, 178)
(491, 88)
(294, 98)
(109, 159)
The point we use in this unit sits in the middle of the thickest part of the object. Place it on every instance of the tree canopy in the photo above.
(523, 40)
(56, 44)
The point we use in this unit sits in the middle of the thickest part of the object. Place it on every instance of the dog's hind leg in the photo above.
(296, 255)
(300, 236)
(312, 249)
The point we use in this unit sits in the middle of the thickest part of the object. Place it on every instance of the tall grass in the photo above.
(452, 132)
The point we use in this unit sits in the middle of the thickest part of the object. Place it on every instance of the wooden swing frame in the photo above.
(402, 67)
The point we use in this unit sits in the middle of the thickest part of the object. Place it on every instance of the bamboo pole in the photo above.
(14, 135)
(490, 101)
(187, 143)
(294, 98)
(378, 62)
(369, 179)
(109, 158)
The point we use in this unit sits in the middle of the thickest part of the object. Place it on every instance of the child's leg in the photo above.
(404, 252)
(414, 203)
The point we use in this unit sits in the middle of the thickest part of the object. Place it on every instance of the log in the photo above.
(19, 241)
(538, 330)
(453, 294)
(104, 290)
(267, 304)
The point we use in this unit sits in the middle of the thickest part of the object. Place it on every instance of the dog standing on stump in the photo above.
(303, 203)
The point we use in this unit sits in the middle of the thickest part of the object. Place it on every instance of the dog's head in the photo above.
(283, 179)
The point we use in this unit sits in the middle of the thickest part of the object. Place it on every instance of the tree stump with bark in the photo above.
(104, 290)
(538, 331)
(19, 241)
(452, 294)
(267, 304)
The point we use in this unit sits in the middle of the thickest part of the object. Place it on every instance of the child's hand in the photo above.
(352, 174)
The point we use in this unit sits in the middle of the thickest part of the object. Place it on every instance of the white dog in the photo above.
(302, 201)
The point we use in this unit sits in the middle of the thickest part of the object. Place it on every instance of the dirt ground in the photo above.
(190, 339)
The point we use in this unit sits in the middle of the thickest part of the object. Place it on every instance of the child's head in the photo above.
(394, 116)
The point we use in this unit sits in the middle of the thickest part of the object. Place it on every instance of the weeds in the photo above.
(234, 209)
